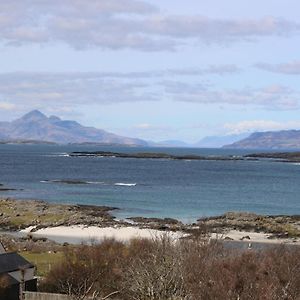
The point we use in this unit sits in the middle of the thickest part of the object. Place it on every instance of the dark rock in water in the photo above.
(66, 181)
(162, 222)
(246, 237)
(3, 189)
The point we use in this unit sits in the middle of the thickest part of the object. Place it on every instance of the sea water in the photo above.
(181, 189)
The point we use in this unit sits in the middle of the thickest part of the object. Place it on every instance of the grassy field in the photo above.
(43, 261)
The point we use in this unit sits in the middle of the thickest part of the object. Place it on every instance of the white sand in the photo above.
(255, 237)
(80, 233)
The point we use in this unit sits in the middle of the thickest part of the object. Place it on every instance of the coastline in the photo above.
(84, 223)
(78, 234)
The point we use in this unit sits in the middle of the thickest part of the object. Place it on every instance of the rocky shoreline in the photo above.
(16, 215)
(277, 226)
(20, 214)
(277, 156)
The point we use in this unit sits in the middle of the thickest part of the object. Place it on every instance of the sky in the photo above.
(156, 70)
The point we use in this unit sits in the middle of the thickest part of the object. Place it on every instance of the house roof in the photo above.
(9, 279)
(10, 262)
(2, 249)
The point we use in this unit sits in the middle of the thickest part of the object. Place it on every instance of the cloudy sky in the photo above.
(158, 70)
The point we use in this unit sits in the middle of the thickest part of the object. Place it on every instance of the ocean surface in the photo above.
(182, 189)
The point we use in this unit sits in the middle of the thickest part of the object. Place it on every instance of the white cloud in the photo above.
(7, 106)
(291, 68)
(273, 97)
(259, 125)
(72, 88)
(115, 24)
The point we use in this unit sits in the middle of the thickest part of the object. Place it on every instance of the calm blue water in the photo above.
(185, 190)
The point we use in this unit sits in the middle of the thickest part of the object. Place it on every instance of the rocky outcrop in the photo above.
(279, 226)
(20, 214)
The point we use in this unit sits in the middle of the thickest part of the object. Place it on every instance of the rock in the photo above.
(246, 237)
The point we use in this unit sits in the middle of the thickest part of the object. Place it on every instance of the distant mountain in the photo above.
(219, 141)
(38, 127)
(285, 139)
(169, 143)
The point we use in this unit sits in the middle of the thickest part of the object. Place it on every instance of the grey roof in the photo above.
(10, 279)
(10, 262)
(2, 249)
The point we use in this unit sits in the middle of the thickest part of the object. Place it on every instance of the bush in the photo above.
(187, 269)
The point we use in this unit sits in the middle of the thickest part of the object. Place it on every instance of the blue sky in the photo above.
(158, 70)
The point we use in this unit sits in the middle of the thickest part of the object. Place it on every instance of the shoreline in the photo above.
(80, 234)
(40, 219)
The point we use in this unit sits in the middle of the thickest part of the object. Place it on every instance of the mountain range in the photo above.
(284, 139)
(36, 126)
(220, 141)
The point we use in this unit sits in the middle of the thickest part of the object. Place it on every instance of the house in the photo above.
(16, 275)
(2, 249)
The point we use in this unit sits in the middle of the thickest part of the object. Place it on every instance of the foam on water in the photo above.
(125, 184)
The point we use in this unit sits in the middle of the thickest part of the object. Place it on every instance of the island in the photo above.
(149, 155)
(277, 156)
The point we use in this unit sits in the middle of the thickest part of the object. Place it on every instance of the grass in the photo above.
(25, 217)
(43, 261)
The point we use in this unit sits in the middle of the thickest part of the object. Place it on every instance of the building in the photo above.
(2, 249)
(16, 275)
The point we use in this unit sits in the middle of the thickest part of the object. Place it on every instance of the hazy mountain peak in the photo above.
(220, 141)
(34, 115)
(54, 119)
(284, 139)
(37, 126)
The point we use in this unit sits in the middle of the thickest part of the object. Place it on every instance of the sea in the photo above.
(183, 189)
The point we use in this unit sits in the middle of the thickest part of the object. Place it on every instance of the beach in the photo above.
(92, 234)
(77, 224)
(86, 234)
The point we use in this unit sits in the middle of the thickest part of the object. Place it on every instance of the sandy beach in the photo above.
(80, 233)
(84, 234)
(82, 223)
(254, 237)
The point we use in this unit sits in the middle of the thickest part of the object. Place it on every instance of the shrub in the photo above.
(186, 269)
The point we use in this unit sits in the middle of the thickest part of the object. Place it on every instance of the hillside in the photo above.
(36, 126)
(285, 139)
(219, 141)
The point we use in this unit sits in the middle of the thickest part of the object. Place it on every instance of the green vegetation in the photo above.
(44, 261)
(18, 214)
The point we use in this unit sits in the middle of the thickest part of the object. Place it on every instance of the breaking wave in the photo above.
(74, 181)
